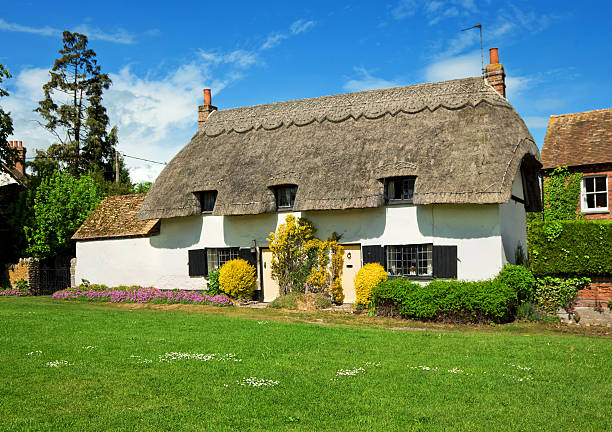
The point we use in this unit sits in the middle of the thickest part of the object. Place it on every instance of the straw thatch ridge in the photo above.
(462, 140)
(116, 217)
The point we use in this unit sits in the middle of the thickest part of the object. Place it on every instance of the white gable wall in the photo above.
(513, 222)
(6, 179)
(161, 261)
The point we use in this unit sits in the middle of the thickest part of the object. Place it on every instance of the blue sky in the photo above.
(160, 56)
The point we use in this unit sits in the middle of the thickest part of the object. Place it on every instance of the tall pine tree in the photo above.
(72, 110)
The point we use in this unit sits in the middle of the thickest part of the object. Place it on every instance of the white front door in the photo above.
(270, 287)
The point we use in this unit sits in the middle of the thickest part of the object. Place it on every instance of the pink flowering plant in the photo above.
(137, 294)
(20, 288)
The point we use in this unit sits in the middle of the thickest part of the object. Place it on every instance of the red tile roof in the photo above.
(583, 138)
(116, 216)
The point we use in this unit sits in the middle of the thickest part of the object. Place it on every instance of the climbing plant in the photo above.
(561, 195)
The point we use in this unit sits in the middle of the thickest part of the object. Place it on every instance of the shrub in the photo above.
(238, 279)
(481, 301)
(570, 248)
(367, 278)
(553, 293)
(301, 301)
(520, 279)
(288, 301)
(212, 282)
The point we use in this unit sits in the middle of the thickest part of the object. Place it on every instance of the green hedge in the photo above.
(570, 248)
(481, 301)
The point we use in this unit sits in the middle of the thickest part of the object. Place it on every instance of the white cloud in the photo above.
(404, 9)
(121, 36)
(367, 82)
(463, 66)
(300, 26)
(297, 27)
(536, 122)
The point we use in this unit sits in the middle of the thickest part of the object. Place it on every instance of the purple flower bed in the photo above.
(142, 295)
(15, 292)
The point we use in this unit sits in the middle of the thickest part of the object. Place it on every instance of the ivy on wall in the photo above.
(561, 195)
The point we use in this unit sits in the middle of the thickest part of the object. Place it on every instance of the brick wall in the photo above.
(599, 291)
(603, 170)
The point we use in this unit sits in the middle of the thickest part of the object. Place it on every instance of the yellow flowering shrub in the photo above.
(294, 248)
(367, 278)
(238, 279)
(337, 262)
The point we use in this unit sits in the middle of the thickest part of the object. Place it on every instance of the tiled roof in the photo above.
(116, 216)
(583, 138)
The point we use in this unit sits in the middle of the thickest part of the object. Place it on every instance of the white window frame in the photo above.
(583, 195)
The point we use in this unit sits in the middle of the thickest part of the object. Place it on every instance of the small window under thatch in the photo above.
(207, 200)
(285, 196)
(399, 190)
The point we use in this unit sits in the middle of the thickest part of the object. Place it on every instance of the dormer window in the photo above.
(399, 190)
(285, 196)
(207, 200)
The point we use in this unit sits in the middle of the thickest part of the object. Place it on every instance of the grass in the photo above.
(104, 388)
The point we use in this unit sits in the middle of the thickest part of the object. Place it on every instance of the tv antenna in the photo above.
(479, 27)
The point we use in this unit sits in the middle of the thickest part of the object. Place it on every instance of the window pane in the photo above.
(601, 200)
(410, 260)
(600, 184)
(589, 184)
(207, 200)
(212, 258)
(285, 196)
(590, 201)
(400, 189)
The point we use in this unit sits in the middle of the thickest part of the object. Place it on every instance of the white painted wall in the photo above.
(513, 222)
(161, 261)
(6, 179)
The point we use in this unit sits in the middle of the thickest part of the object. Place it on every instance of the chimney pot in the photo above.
(207, 98)
(493, 55)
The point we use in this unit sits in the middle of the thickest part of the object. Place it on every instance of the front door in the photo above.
(271, 289)
(352, 264)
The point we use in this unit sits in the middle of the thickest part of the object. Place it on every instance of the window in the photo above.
(207, 200)
(217, 257)
(285, 196)
(399, 190)
(594, 194)
(410, 260)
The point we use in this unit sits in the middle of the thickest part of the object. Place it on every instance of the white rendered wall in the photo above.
(513, 222)
(161, 261)
(6, 179)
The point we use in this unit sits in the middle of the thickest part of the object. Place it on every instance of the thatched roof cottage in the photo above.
(430, 180)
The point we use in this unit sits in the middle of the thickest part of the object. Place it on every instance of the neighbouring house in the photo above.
(13, 180)
(583, 142)
(431, 180)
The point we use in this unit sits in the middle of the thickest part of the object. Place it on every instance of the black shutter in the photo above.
(248, 256)
(374, 254)
(445, 262)
(197, 262)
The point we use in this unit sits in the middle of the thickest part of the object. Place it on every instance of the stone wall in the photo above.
(27, 269)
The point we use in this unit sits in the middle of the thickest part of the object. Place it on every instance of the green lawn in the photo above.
(501, 379)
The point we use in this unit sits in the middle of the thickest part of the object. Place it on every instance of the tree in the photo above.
(7, 153)
(72, 110)
(61, 204)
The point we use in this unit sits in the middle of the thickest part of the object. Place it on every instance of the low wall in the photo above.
(597, 293)
(27, 269)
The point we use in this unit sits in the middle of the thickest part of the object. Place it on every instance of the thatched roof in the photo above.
(116, 216)
(462, 140)
(583, 138)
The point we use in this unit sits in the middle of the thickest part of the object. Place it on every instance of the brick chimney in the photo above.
(205, 110)
(494, 73)
(21, 154)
